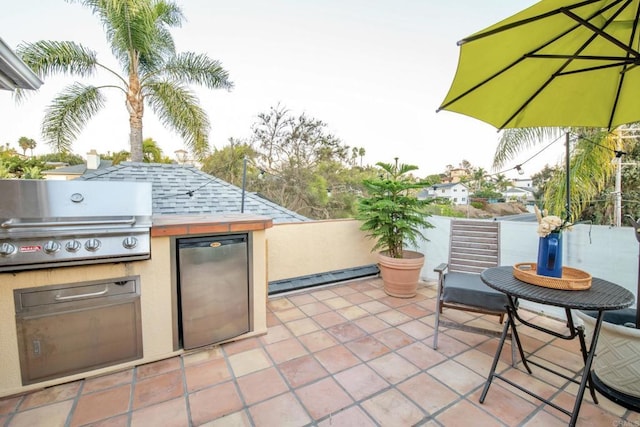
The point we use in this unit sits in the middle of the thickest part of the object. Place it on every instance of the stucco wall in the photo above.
(300, 249)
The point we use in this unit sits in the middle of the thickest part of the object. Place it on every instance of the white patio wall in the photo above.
(606, 252)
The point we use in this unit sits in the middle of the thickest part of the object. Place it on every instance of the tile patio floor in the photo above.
(345, 355)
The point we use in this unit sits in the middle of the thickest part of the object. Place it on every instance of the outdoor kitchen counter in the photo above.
(185, 225)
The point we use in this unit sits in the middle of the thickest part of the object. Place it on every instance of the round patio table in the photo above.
(602, 296)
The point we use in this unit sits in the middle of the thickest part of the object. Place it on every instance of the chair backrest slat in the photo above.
(474, 245)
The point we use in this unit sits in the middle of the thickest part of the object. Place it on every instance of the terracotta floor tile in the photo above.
(107, 381)
(289, 315)
(374, 307)
(117, 421)
(275, 334)
(392, 408)
(329, 319)
(357, 298)
(428, 393)
(202, 355)
(261, 385)
(336, 359)
(10, 404)
(352, 312)
(458, 377)
(361, 381)
(301, 299)
(206, 374)
(317, 341)
(249, 361)
(280, 304)
(544, 419)
(371, 324)
(367, 348)
(393, 368)
(416, 329)
(323, 397)
(53, 415)
(158, 388)
(460, 414)
(323, 294)
(414, 310)
(51, 395)
(344, 290)
(346, 332)
(281, 411)
(239, 346)
(286, 350)
(211, 403)
(302, 326)
(102, 404)
(155, 368)
(172, 413)
(272, 319)
(337, 302)
(421, 355)
(314, 308)
(450, 347)
(393, 317)
(365, 285)
(350, 417)
(302, 370)
(394, 338)
(477, 361)
(237, 419)
(504, 404)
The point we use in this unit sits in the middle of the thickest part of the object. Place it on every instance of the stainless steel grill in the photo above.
(46, 224)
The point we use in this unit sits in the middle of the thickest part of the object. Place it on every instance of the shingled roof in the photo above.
(180, 189)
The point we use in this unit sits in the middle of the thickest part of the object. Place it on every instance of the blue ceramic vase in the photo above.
(550, 255)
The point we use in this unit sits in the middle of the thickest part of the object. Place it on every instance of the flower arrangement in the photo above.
(548, 224)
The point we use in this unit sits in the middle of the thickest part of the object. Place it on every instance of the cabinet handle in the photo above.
(92, 294)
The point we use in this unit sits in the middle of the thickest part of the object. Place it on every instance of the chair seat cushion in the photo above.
(469, 289)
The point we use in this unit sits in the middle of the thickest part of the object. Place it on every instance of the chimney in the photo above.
(93, 160)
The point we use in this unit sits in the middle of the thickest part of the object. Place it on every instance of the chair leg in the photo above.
(437, 325)
(514, 360)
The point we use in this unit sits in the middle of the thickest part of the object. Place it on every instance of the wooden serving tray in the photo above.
(572, 279)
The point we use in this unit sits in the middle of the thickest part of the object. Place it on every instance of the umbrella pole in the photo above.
(567, 178)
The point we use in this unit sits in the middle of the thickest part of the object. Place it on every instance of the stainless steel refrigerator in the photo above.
(213, 289)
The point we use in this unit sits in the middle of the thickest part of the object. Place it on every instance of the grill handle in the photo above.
(91, 294)
(11, 224)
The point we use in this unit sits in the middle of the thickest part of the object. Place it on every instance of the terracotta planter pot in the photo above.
(401, 275)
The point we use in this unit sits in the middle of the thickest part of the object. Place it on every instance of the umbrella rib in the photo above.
(506, 27)
(603, 34)
(623, 74)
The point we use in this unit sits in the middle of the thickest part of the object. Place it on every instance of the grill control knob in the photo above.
(7, 249)
(51, 247)
(73, 246)
(130, 242)
(92, 245)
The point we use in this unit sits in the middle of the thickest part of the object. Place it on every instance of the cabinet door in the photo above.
(57, 345)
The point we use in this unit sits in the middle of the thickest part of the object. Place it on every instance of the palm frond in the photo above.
(513, 141)
(68, 113)
(178, 108)
(192, 68)
(58, 57)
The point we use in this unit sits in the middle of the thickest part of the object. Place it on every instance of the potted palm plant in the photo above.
(393, 215)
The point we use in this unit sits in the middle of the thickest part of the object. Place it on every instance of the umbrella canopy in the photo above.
(558, 63)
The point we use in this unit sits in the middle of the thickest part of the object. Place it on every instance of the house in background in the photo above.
(456, 192)
(519, 194)
(66, 172)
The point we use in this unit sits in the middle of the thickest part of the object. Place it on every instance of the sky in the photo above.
(374, 71)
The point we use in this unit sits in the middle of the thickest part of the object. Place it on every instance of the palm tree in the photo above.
(26, 143)
(590, 167)
(152, 74)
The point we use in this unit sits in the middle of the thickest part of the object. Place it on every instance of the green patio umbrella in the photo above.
(558, 63)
